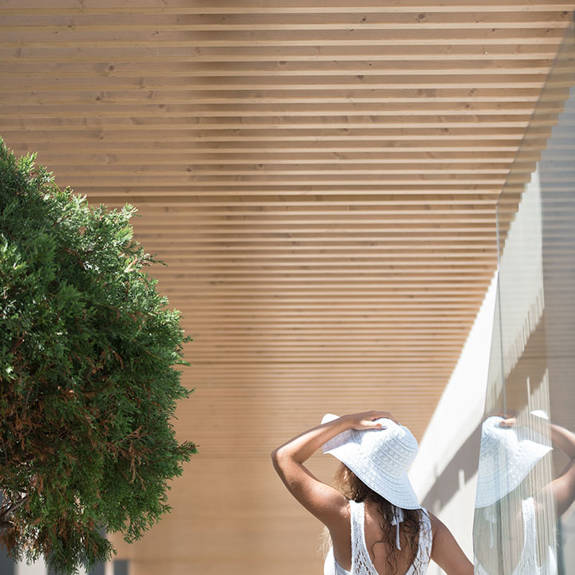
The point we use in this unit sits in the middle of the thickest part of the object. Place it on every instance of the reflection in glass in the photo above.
(508, 507)
(524, 520)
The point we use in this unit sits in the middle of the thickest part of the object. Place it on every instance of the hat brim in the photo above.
(346, 447)
(497, 478)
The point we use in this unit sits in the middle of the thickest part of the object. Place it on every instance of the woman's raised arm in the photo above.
(320, 499)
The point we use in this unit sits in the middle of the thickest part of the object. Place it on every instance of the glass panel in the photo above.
(524, 518)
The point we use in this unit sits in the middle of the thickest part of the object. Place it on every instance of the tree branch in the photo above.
(5, 511)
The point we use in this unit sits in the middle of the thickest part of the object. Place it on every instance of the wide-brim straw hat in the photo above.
(379, 457)
(507, 455)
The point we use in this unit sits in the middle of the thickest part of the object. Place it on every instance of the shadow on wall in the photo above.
(464, 462)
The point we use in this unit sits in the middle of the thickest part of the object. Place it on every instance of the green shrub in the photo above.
(88, 386)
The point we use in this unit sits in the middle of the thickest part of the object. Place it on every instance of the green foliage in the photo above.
(88, 386)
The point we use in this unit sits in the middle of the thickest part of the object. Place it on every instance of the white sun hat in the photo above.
(379, 457)
(506, 457)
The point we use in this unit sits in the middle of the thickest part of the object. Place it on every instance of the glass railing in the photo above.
(524, 514)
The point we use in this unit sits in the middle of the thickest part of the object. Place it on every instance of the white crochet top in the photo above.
(528, 564)
(361, 563)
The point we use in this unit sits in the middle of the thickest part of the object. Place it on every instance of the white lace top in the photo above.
(361, 563)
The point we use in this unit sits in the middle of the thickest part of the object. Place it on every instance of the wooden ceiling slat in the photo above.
(177, 125)
(277, 96)
(213, 293)
(65, 36)
(280, 7)
(407, 201)
(116, 69)
(211, 22)
(161, 52)
(297, 134)
(288, 84)
(462, 250)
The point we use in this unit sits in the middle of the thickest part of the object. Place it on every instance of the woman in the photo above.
(376, 524)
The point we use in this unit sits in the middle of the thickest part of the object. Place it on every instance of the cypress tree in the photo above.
(88, 376)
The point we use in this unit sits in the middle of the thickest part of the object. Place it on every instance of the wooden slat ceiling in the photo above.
(321, 177)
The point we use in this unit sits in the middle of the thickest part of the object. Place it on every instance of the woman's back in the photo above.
(375, 452)
(366, 535)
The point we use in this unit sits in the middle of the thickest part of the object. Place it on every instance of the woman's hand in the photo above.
(325, 502)
(365, 419)
(508, 422)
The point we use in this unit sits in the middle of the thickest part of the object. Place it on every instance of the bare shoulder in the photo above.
(440, 531)
(445, 550)
(339, 528)
(437, 526)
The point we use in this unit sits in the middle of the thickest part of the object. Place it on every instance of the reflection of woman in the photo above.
(509, 518)
(376, 524)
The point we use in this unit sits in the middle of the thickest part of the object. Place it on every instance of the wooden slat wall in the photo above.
(321, 177)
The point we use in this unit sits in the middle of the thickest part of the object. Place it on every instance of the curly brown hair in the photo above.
(353, 488)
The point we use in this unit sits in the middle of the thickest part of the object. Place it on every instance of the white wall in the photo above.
(456, 418)
(37, 568)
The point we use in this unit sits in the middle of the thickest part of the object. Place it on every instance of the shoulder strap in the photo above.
(528, 560)
(355, 511)
(329, 567)
(360, 560)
